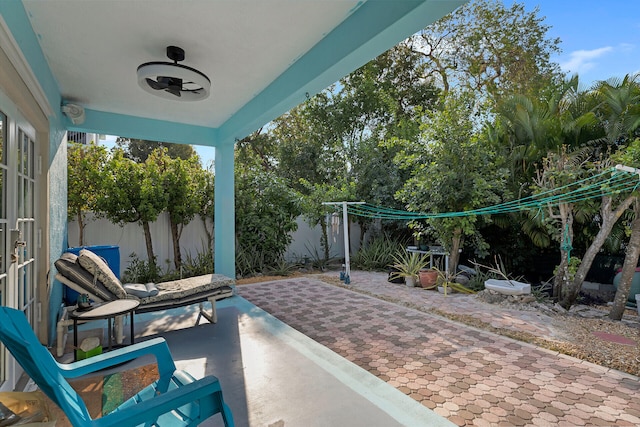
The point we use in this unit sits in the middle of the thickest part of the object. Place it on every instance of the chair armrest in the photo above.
(156, 347)
(148, 410)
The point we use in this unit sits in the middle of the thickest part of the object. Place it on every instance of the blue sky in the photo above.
(599, 40)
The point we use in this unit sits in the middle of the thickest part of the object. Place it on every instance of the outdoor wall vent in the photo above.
(174, 81)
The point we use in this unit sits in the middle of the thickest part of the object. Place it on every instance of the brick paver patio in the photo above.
(469, 376)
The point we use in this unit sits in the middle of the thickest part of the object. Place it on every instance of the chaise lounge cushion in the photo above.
(188, 289)
(68, 266)
(99, 268)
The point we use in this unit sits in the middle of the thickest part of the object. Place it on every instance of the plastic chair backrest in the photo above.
(16, 334)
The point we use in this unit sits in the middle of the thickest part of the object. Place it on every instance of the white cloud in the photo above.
(581, 61)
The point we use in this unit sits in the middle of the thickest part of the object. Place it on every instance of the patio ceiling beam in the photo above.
(101, 122)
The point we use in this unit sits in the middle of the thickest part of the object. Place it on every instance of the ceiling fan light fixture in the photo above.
(173, 81)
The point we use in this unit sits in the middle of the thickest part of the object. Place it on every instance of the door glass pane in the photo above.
(3, 132)
(3, 233)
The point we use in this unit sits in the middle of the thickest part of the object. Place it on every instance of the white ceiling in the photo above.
(262, 56)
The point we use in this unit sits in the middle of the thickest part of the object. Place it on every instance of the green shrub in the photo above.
(140, 271)
(378, 254)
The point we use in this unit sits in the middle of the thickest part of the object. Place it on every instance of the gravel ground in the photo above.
(576, 329)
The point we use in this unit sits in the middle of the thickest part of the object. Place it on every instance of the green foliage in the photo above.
(140, 271)
(283, 268)
(139, 150)
(266, 211)
(132, 191)
(250, 260)
(491, 49)
(317, 260)
(408, 264)
(179, 179)
(85, 180)
(452, 170)
(377, 254)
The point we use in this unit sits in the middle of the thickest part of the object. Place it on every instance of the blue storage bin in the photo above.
(111, 255)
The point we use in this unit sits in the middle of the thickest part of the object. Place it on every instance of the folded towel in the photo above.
(141, 290)
(151, 289)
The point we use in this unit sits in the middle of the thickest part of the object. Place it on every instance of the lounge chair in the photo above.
(87, 273)
(175, 399)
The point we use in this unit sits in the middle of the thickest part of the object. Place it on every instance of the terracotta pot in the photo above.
(428, 278)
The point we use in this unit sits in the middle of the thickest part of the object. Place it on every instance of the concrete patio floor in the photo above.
(360, 360)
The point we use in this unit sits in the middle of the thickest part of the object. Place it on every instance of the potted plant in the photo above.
(408, 266)
(428, 278)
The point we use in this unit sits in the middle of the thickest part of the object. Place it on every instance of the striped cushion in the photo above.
(68, 266)
(99, 268)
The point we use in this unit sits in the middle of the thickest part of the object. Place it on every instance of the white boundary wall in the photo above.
(130, 239)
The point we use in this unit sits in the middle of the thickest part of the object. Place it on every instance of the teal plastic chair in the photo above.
(175, 399)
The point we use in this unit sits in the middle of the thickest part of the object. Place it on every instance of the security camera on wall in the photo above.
(74, 112)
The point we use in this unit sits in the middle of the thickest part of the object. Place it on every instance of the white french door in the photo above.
(18, 286)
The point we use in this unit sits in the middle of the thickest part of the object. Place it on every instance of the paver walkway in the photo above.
(470, 376)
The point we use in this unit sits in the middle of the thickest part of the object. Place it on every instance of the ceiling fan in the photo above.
(171, 80)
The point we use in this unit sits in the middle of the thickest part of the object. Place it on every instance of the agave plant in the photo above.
(408, 264)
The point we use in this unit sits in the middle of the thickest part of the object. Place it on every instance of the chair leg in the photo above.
(118, 326)
(61, 329)
(213, 317)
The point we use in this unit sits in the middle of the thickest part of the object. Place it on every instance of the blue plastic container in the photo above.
(111, 254)
(635, 285)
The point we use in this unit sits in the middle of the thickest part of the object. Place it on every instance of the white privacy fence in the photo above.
(130, 239)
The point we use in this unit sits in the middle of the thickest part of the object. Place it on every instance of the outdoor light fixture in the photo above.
(74, 112)
(174, 81)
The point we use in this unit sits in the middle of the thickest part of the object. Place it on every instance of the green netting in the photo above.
(609, 182)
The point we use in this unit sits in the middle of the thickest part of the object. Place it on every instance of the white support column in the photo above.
(345, 226)
(224, 231)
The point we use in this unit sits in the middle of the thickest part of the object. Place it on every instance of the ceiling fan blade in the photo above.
(174, 91)
(156, 85)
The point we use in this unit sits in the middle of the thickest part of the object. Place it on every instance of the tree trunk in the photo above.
(324, 240)
(175, 239)
(562, 283)
(454, 256)
(147, 240)
(80, 229)
(609, 218)
(176, 232)
(628, 268)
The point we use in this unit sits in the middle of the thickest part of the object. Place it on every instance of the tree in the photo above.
(177, 178)
(139, 150)
(266, 211)
(85, 165)
(488, 48)
(205, 183)
(452, 170)
(133, 193)
(311, 157)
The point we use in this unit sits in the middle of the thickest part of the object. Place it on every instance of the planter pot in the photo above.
(508, 287)
(410, 281)
(428, 279)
